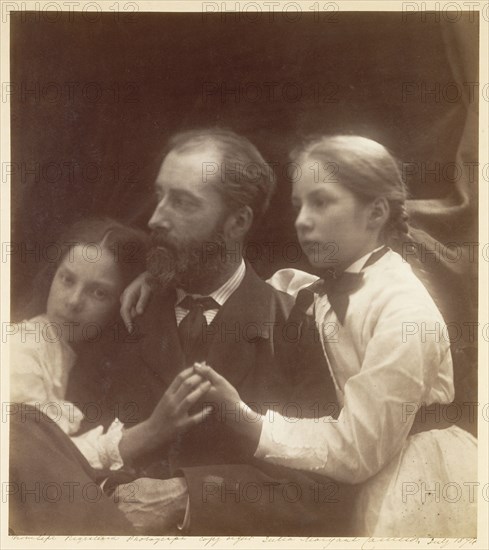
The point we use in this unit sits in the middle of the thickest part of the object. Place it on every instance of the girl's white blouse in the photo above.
(40, 363)
(391, 356)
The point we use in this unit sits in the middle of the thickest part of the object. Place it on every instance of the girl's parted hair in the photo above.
(128, 246)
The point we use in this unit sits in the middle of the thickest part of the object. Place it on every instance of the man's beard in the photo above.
(190, 265)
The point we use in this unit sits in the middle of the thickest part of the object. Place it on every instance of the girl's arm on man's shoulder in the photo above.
(135, 299)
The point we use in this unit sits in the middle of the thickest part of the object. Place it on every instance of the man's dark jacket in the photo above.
(254, 345)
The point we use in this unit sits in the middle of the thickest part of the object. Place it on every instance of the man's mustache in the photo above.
(160, 239)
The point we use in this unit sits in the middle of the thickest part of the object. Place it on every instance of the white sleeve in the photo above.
(26, 378)
(102, 449)
(373, 424)
(28, 384)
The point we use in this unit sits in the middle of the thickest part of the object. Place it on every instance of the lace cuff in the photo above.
(102, 449)
(112, 439)
(292, 442)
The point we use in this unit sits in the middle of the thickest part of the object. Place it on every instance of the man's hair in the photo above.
(243, 178)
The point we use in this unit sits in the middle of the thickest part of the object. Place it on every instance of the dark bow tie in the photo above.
(339, 287)
(338, 290)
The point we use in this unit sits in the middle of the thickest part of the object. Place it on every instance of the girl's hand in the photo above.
(171, 414)
(135, 298)
(226, 402)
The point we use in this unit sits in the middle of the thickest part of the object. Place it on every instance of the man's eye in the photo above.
(320, 203)
(181, 202)
(100, 294)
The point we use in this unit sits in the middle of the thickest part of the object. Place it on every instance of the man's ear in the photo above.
(238, 223)
(379, 213)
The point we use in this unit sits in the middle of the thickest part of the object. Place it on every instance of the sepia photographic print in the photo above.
(244, 274)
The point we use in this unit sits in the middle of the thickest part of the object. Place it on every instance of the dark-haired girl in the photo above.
(98, 259)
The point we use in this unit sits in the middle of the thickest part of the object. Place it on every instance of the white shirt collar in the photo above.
(222, 294)
(357, 265)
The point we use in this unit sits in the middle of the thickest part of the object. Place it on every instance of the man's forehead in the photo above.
(195, 171)
(192, 160)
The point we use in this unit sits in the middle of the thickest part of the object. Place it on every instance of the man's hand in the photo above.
(222, 393)
(230, 408)
(154, 506)
(135, 298)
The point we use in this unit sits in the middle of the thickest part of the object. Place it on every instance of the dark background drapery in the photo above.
(94, 101)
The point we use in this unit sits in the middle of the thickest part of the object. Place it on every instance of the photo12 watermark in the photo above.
(35, 92)
(67, 10)
(270, 492)
(451, 332)
(225, 92)
(449, 493)
(270, 11)
(444, 92)
(449, 12)
(68, 171)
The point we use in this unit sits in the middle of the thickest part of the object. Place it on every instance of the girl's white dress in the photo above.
(40, 363)
(390, 356)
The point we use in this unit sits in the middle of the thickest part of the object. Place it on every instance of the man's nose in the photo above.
(160, 218)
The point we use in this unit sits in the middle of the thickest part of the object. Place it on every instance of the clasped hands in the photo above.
(200, 386)
(197, 386)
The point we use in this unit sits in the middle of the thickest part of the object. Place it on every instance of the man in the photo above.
(212, 188)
